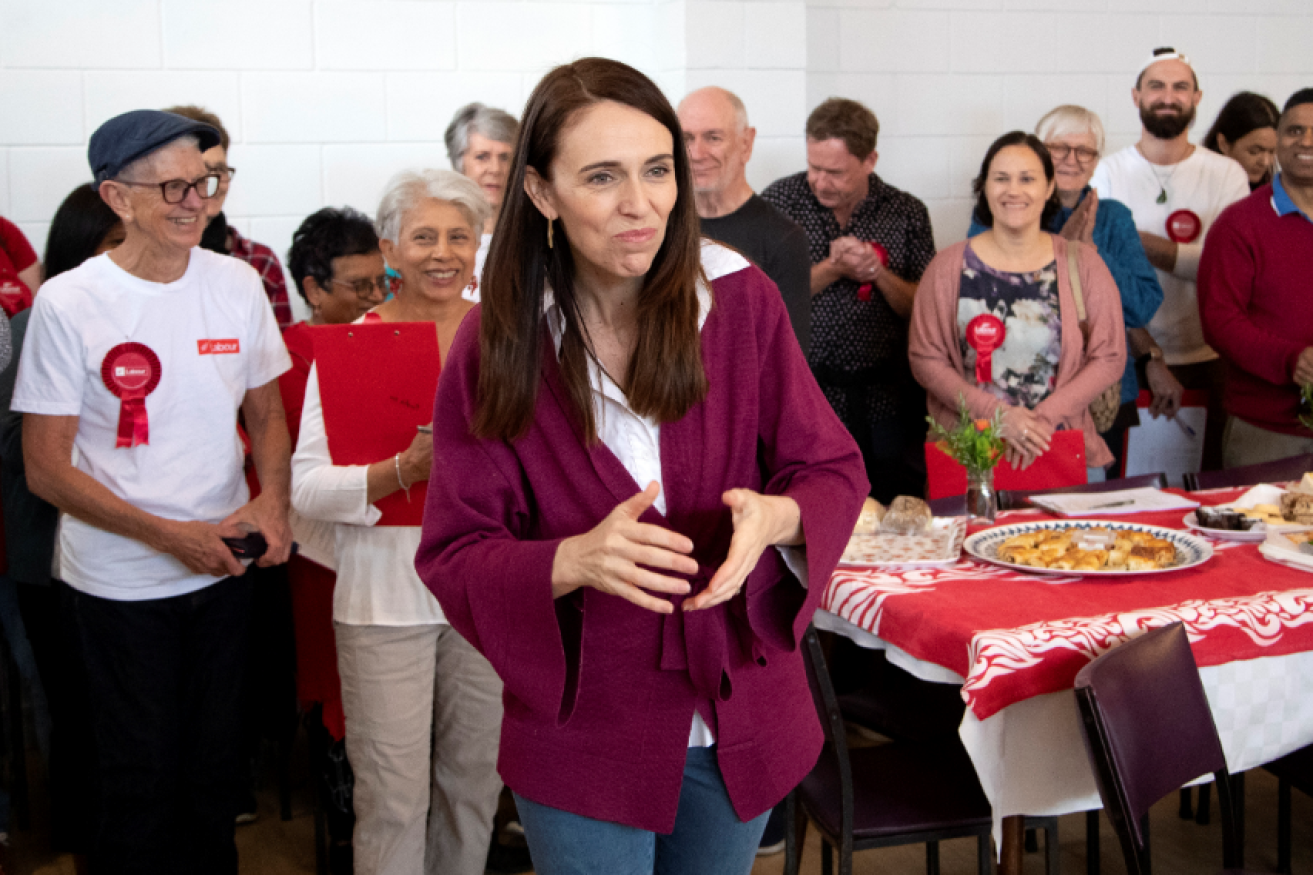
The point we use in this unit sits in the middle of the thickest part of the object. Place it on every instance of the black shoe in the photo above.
(508, 858)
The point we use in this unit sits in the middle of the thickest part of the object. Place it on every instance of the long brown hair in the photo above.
(665, 376)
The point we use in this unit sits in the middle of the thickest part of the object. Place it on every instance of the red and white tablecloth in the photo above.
(1015, 642)
(1013, 635)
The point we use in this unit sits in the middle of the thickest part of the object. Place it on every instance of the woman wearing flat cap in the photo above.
(140, 360)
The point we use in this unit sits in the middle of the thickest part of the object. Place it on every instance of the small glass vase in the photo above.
(982, 499)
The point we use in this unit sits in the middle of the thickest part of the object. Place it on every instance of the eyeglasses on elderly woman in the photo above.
(174, 191)
(364, 288)
(1060, 151)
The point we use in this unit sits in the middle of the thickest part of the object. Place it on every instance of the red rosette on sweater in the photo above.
(131, 371)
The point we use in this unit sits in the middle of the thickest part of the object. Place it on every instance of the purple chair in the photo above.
(898, 793)
(1148, 731)
(1291, 468)
(1292, 770)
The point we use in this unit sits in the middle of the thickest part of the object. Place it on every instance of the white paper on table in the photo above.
(1162, 444)
(1145, 498)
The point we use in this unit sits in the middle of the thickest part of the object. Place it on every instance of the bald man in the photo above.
(719, 142)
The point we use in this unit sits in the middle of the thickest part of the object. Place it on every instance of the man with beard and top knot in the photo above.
(1174, 190)
(869, 244)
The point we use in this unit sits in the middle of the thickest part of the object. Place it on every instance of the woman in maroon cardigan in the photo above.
(656, 704)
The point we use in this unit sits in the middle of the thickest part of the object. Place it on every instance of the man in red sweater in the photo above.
(1256, 300)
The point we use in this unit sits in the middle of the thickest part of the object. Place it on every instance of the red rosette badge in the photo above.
(864, 290)
(985, 333)
(1184, 226)
(131, 371)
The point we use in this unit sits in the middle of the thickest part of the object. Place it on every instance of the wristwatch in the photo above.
(1153, 355)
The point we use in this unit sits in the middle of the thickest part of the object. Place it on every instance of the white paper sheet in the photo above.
(1165, 445)
(1141, 500)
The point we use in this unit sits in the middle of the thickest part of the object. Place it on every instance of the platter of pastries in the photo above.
(1262, 509)
(1089, 548)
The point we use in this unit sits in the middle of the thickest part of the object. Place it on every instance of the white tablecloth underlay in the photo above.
(1030, 756)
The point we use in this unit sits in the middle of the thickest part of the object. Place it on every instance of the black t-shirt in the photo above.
(779, 247)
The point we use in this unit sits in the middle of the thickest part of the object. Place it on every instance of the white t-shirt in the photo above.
(191, 469)
(1205, 184)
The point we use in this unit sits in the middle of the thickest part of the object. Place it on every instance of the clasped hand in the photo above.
(855, 259)
(619, 554)
(1027, 436)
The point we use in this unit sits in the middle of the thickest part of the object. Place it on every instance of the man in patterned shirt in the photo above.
(869, 244)
(221, 237)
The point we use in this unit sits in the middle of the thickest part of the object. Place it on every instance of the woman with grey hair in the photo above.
(481, 144)
(1074, 138)
(423, 708)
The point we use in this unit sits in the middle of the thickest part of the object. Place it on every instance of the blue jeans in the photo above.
(709, 839)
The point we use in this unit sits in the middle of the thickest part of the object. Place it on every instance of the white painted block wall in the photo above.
(327, 98)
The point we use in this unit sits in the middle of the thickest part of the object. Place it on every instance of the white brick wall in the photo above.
(947, 76)
(327, 98)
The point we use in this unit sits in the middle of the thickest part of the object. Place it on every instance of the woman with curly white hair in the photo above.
(423, 708)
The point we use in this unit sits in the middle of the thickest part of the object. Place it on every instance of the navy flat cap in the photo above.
(132, 135)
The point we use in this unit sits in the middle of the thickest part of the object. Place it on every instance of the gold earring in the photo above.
(549, 233)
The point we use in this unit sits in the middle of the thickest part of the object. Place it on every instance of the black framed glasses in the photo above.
(175, 191)
(1084, 154)
(364, 288)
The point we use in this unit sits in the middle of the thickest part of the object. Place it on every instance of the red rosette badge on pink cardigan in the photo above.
(985, 333)
(131, 371)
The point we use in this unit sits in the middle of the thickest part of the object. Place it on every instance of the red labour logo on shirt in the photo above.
(218, 347)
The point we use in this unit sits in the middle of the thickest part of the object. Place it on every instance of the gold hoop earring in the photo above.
(549, 233)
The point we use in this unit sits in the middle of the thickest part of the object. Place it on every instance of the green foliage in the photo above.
(1306, 393)
(977, 444)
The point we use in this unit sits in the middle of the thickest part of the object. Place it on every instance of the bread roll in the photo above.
(907, 516)
(868, 523)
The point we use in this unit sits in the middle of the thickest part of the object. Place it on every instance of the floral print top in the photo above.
(1025, 367)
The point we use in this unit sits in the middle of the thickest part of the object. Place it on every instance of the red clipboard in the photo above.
(377, 382)
(1063, 465)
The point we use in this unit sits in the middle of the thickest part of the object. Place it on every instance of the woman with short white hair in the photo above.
(423, 708)
(481, 143)
(1074, 137)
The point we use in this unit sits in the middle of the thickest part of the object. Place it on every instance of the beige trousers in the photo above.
(1247, 444)
(423, 719)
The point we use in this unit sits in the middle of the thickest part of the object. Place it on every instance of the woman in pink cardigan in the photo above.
(995, 321)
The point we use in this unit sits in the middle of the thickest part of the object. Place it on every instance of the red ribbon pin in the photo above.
(1183, 226)
(131, 371)
(985, 333)
(864, 290)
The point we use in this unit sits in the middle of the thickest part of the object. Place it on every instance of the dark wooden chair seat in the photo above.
(1148, 731)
